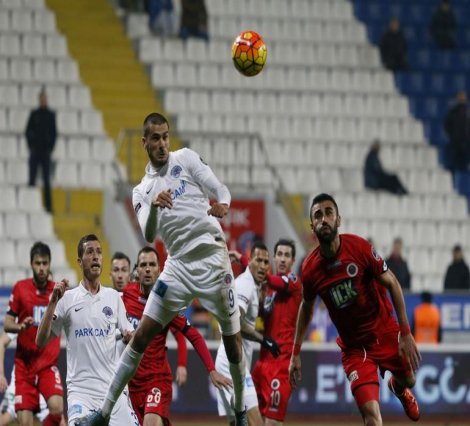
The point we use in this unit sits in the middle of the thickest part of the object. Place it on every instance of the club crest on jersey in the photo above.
(228, 279)
(352, 269)
(107, 311)
(176, 171)
(160, 288)
(343, 294)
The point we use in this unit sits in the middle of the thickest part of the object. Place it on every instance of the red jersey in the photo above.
(27, 300)
(357, 303)
(279, 312)
(154, 364)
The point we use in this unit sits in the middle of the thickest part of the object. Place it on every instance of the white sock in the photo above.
(126, 368)
(237, 371)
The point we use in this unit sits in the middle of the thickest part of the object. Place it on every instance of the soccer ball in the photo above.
(249, 53)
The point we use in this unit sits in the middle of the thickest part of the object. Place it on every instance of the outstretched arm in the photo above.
(4, 342)
(45, 326)
(181, 371)
(406, 345)
(303, 320)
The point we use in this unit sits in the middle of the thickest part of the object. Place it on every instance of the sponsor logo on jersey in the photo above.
(107, 311)
(352, 269)
(343, 294)
(160, 288)
(134, 321)
(178, 192)
(38, 313)
(92, 332)
(353, 376)
(176, 171)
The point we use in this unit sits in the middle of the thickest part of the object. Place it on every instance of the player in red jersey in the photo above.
(36, 369)
(279, 311)
(150, 389)
(352, 280)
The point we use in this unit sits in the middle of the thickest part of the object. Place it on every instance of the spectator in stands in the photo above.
(393, 47)
(398, 264)
(194, 19)
(426, 325)
(162, 20)
(375, 177)
(120, 271)
(443, 26)
(457, 275)
(457, 127)
(41, 135)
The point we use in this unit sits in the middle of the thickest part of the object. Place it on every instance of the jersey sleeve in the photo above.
(141, 207)
(205, 177)
(374, 260)
(14, 304)
(284, 283)
(181, 344)
(308, 286)
(59, 317)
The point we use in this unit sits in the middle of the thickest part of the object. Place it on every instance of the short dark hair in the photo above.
(285, 242)
(119, 255)
(147, 249)
(323, 197)
(83, 240)
(39, 249)
(258, 244)
(426, 297)
(156, 119)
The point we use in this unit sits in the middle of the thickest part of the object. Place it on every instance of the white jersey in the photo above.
(187, 225)
(90, 322)
(248, 301)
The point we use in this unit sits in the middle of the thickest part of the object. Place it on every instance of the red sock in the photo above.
(52, 420)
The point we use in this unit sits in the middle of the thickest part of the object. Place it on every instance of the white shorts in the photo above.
(123, 413)
(225, 397)
(209, 279)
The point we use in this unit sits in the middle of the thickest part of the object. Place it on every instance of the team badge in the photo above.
(107, 311)
(352, 269)
(176, 171)
(228, 279)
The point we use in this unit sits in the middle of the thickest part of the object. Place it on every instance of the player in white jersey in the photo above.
(89, 314)
(7, 407)
(173, 201)
(248, 285)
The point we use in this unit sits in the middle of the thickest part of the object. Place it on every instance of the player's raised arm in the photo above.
(303, 320)
(407, 345)
(45, 326)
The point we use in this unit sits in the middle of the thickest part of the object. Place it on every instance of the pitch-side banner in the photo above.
(442, 386)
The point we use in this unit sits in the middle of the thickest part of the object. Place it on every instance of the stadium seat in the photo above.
(17, 172)
(16, 225)
(29, 199)
(56, 47)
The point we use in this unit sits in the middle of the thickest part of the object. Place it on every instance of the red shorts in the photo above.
(360, 366)
(28, 386)
(271, 381)
(157, 401)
